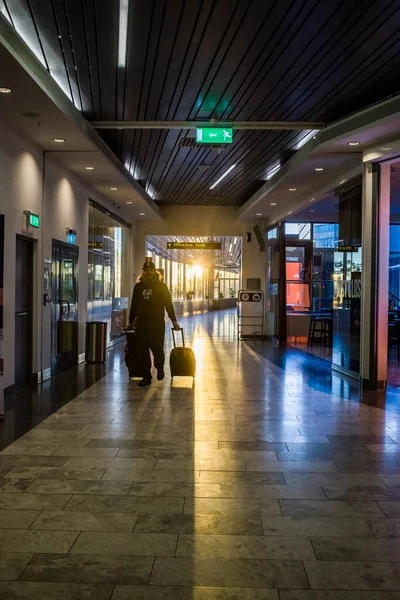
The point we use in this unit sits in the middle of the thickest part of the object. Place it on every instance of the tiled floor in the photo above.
(263, 481)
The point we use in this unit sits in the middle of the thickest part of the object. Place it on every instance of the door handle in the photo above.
(21, 314)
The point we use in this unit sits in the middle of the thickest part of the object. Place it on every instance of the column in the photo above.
(375, 276)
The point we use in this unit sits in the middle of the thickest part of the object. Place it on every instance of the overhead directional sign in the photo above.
(194, 245)
(213, 135)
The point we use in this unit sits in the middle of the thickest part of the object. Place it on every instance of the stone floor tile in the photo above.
(126, 544)
(15, 460)
(14, 485)
(12, 564)
(316, 526)
(357, 549)
(20, 590)
(68, 568)
(18, 540)
(87, 451)
(336, 595)
(324, 508)
(88, 462)
(250, 490)
(201, 465)
(333, 479)
(242, 476)
(17, 519)
(125, 504)
(107, 488)
(156, 592)
(33, 501)
(241, 506)
(212, 524)
(353, 575)
(362, 492)
(140, 475)
(61, 473)
(187, 490)
(28, 450)
(229, 573)
(289, 466)
(69, 520)
(242, 546)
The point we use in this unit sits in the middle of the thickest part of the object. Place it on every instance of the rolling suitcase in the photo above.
(182, 360)
(134, 359)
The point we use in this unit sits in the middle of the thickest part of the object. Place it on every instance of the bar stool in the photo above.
(320, 330)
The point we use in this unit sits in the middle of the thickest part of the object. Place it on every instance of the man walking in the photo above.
(149, 300)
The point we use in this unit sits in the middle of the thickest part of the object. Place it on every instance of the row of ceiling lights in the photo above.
(319, 169)
(60, 140)
(292, 189)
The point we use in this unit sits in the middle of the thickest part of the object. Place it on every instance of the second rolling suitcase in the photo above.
(182, 360)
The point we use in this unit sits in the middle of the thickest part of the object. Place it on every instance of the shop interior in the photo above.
(323, 264)
(202, 273)
(322, 274)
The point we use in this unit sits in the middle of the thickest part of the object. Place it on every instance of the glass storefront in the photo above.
(322, 280)
(106, 276)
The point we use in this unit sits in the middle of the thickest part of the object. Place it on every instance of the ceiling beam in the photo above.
(261, 125)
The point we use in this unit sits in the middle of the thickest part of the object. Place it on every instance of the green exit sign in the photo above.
(213, 135)
(34, 220)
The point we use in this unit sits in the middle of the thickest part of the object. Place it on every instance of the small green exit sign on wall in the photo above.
(213, 135)
(34, 220)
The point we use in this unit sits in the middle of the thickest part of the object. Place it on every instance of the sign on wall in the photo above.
(194, 245)
(248, 296)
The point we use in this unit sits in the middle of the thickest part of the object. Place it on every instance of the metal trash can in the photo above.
(96, 339)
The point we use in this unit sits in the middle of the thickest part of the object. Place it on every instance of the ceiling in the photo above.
(228, 257)
(39, 116)
(226, 59)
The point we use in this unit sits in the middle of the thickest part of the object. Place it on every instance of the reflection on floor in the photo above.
(264, 479)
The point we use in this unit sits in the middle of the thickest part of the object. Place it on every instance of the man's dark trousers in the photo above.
(151, 337)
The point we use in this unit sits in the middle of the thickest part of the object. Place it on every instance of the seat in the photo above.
(320, 329)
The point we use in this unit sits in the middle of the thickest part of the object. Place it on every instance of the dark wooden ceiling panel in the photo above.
(224, 59)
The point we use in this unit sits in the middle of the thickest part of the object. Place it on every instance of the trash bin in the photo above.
(96, 339)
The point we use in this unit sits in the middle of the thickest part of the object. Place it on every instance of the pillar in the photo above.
(375, 275)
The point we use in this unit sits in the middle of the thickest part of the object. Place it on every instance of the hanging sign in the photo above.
(194, 245)
(347, 249)
(213, 135)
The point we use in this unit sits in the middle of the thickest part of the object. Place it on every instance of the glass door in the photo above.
(65, 307)
(298, 271)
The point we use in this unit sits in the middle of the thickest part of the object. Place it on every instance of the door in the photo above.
(298, 276)
(65, 306)
(23, 312)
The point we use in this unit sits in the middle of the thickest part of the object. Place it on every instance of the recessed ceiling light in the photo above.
(312, 210)
(5, 90)
(59, 140)
(318, 169)
(292, 189)
(258, 214)
(354, 143)
(142, 214)
(273, 203)
(129, 202)
(89, 168)
(114, 189)
(312, 199)
(385, 148)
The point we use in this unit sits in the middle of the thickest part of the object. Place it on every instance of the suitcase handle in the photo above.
(173, 336)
